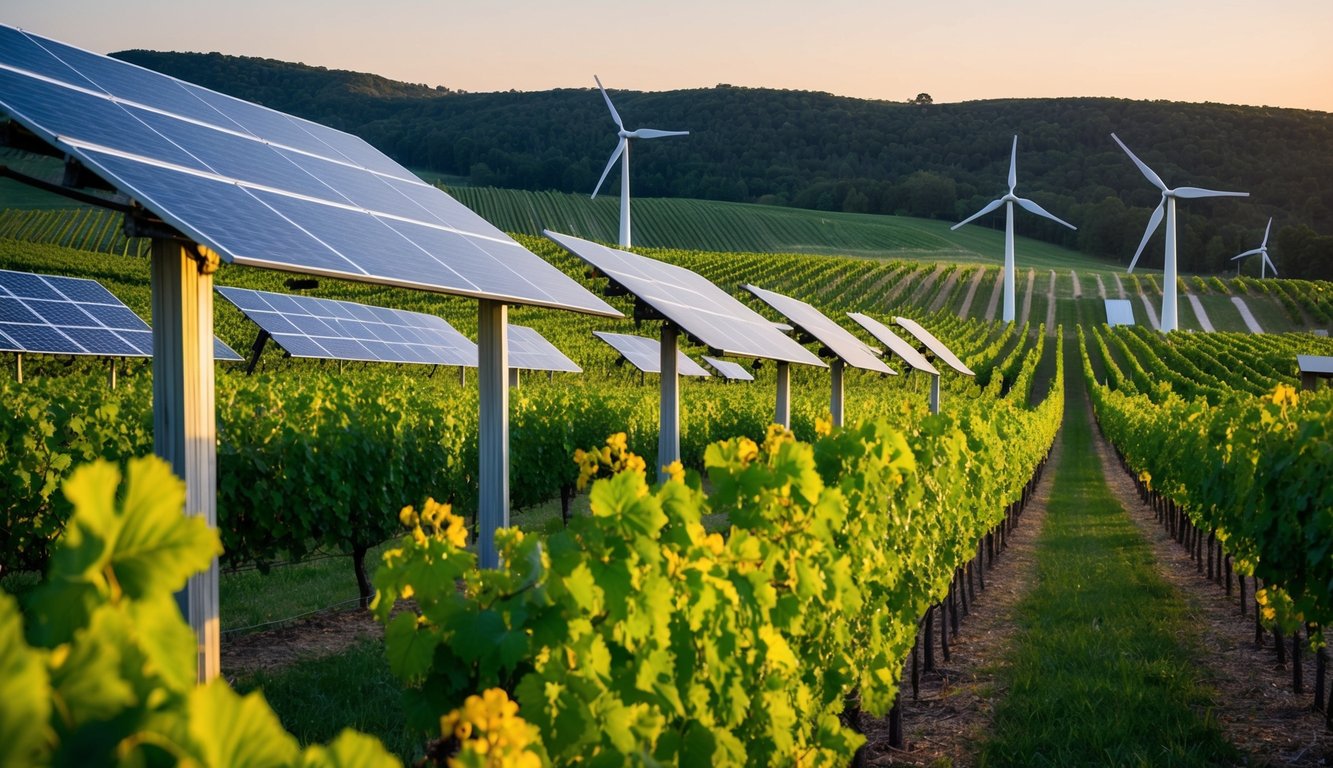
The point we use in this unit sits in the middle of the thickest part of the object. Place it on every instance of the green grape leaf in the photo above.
(26, 692)
(409, 648)
(241, 732)
(86, 674)
(158, 548)
(350, 749)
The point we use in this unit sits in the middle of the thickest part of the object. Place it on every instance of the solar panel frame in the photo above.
(530, 350)
(895, 343)
(1316, 364)
(57, 315)
(836, 339)
(645, 354)
(318, 328)
(728, 369)
(690, 302)
(941, 350)
(235, 177)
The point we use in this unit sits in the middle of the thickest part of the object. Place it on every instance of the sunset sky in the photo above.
(1185, 50)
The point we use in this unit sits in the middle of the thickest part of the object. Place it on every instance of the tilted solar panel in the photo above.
(530, 350)
(834, 337)
(646, 354)
(699, 308)
(264, 188)
(729, 370)
(896, 344)
(305, 326)
(941, 351)
(48, 314)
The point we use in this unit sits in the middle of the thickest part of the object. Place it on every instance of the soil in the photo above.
(318, 636)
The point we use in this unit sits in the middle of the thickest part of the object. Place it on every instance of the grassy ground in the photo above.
(316, 699)
(1099, 674)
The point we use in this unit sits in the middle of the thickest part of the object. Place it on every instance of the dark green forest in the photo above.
(816, 150)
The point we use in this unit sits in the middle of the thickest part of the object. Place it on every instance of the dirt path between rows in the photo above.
(1255, 706)
(953, 715)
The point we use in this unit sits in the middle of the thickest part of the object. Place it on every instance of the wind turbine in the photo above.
(1262, 249)
(1169, 203)
(1008, 201)
(622, 147)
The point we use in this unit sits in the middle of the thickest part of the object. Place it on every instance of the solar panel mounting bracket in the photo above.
(257, 348)
(15, 136)
(62, 190)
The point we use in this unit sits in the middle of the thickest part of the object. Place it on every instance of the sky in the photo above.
(1277, 53)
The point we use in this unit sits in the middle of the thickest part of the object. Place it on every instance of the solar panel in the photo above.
(729, 370)
(834, 337)
(646, 354)
(530, 350)
(1318, 364)
(309, 327)
(936, 346)
(264, 188)
(896, 344)
(53, 315)
(699, 308)
(1119, 312)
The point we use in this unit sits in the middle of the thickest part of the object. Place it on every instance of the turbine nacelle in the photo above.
(622, 146)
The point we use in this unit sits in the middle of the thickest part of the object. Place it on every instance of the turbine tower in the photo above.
(1169, 196)
(622, 148)
(1008, 202)
(1262, 249)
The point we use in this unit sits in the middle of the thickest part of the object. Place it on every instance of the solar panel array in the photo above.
(729, 370)
(646, 354)
(53, 315)
(896, 344)
(309, 327)
(936, 346)
(264, 188)
(693, 304)
(834, 337)
(530, 350)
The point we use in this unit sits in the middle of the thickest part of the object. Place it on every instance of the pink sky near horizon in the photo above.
(1189, 50)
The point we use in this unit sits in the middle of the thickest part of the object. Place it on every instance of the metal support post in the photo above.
(668, 430)
(493, 439)
(184, 420)
(782, 414)
(836, 369)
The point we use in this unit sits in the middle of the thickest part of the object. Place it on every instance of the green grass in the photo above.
(1099, 673)
(315, 699)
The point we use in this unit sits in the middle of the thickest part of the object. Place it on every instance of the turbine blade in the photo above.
(1153, 222)
(992, 205)
(1032, 207)
(1270, 263)
(620, 148)
(1193, 193)
(614, 114)
(1143, 167)
(653, 133)
(1013, 166)
(1266, 229)
(1250, 252)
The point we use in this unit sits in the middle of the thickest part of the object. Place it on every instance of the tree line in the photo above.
(820, 151)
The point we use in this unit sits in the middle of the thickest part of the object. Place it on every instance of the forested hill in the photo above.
(816, 150)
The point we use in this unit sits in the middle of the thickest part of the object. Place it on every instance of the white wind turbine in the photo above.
(1169, 196)
(1008, 201)
(1262, 249)
(622, 147)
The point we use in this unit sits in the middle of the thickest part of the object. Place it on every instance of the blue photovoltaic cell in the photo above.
(73, 316)
(646, 354)
(305, 326)
(264, 188)
(692, 303)
(530, 350)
